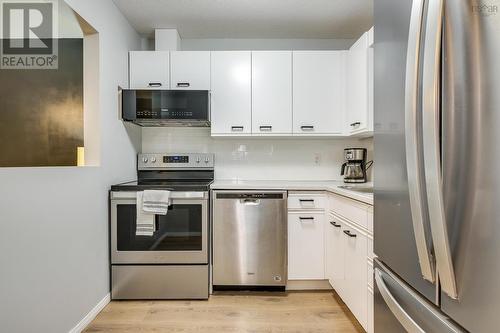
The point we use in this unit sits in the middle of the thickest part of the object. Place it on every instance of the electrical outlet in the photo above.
(317, 158)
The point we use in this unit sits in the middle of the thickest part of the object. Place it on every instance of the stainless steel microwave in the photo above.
(166, 107)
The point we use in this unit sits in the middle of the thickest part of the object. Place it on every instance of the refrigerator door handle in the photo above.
(413, 153)
(432, 146)
(404, 318)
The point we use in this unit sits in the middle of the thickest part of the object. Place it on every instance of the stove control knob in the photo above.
(145, 160)
(207, 160)
(153, 160)
(198, 160)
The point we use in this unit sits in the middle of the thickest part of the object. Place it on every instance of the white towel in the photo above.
(156, 202)
(145, 223)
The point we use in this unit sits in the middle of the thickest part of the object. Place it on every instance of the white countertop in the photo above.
(291, 185)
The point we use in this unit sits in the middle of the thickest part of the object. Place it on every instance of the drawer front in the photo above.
(306, 201)
(370, 219)
(351, 210)
(159, 282)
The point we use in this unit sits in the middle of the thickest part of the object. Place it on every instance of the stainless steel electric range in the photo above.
(173, 262)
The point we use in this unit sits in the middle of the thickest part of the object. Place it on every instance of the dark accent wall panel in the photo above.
(41, 111)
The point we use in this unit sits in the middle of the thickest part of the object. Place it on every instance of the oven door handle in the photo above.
(122, 195)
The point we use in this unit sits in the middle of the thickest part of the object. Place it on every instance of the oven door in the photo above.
(181, 236)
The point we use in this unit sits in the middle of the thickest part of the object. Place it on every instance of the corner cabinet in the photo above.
(149, 70)
(349, 252)
(319, 93)
(231, 98)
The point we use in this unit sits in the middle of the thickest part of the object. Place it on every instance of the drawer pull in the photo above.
(306, 200)
(336, 225)
(348, 233)
(306, 218)
(154, 84)
(183, 84)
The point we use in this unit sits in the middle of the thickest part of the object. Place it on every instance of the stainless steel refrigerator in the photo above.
(437, 181)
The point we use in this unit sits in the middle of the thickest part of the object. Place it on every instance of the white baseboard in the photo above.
(91, 315)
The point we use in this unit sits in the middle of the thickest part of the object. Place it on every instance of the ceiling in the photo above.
(251, 18)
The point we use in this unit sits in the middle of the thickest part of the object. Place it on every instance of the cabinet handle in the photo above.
(237, 128)
(307, 128)
(357, 123)
(266, 128)
(306, 218)
(306, 200)
(336, 225)
(348, 233)
(183, 84)
(154, 84)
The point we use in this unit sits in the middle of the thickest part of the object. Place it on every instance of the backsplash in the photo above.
(257, 158)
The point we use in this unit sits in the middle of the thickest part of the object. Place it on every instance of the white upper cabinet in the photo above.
(358, 86)
(319, 92)
(190, 70)
(149, 70)
(231, 100)
(272, 92)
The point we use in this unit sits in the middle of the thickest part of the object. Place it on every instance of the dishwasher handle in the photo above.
(250, 202)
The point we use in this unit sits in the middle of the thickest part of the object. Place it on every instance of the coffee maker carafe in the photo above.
(355, 167)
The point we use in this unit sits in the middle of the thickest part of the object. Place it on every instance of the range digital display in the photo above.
(175, 159)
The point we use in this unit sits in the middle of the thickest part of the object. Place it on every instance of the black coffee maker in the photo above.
(355, 167)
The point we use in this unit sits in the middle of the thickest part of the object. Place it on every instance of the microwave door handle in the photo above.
(432, 147)
(414, 159)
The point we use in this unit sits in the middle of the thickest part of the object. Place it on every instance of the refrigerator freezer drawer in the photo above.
(159, 282)
(399, 309)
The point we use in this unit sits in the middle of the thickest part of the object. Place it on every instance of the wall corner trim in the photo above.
(91, 315)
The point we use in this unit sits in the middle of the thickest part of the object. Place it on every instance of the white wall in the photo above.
(257, 158)
(223, 44)
(54, 221)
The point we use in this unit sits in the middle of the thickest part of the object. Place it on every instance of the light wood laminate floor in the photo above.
(312, 312)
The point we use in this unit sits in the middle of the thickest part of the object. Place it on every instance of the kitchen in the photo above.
(285, 166)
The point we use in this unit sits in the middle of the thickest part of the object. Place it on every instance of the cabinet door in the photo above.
(231, 92)
(306, 246)
(272, 92)
(335, 254)
(357, 85)
(370, 326)
(149, 69)
(355, 272)
(190, 70)
(319, 92)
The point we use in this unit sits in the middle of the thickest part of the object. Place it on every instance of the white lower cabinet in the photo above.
(355, 290)
(306, 246)
(348, 255)
(335, 261)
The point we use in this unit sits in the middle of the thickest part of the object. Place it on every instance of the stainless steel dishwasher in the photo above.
(249, 239)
